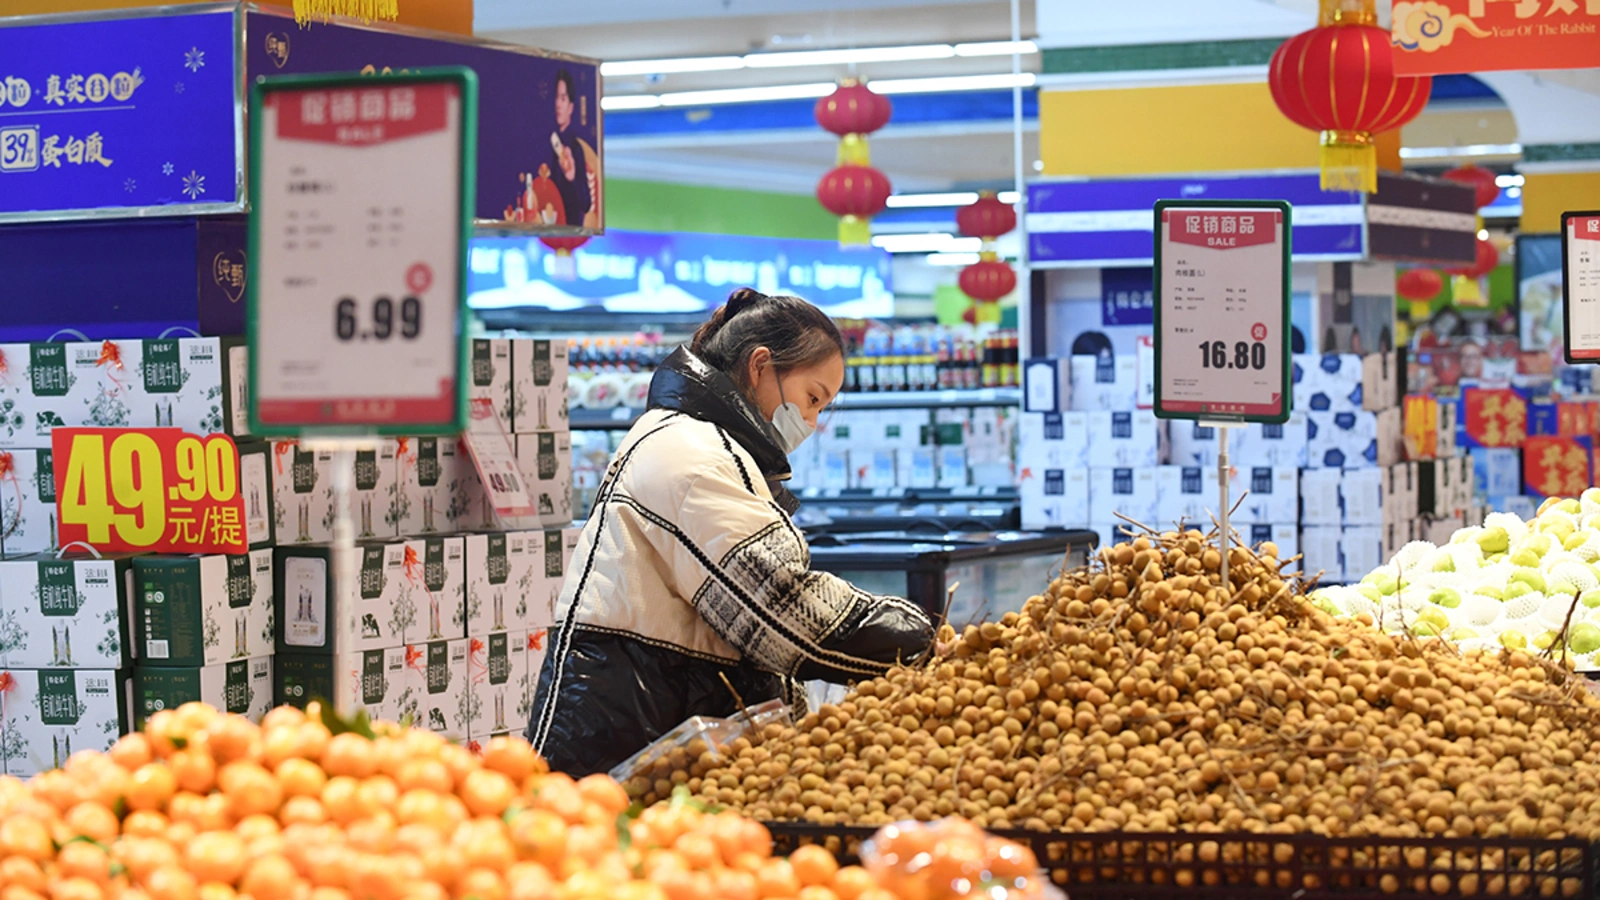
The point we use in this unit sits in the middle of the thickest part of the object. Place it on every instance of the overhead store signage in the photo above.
(156, 490)
(358, 234)
(1443, 37)
(1087, 224)
(144, 110)
(644, 272)
(1580, 284)
(1222, 310)
(1425, 220)
(104, 115)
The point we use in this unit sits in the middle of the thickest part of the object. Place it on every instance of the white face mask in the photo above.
(792, 427)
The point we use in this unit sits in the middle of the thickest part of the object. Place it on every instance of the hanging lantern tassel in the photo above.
(365, 10)
(854, 150)
(1349, 161)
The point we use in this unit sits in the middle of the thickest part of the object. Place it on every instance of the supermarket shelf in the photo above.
(930, 399)
(622, 418)
(909, 495)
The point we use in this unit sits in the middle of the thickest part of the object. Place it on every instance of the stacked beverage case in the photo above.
(451, 611)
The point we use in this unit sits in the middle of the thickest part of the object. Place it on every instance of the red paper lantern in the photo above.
(1419, 284)
(853, 108)
(1488, 259)
(1339, 79)
(986, 217)
(1481, 180)
(563, 246)
(855, 194)
(987, 280)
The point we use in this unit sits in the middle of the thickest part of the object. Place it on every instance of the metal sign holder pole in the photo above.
(1225, 539)
(346, 687)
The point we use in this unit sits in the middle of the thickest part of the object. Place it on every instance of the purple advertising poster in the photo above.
(539, 128)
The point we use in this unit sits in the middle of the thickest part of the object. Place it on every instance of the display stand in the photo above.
(1224, 539)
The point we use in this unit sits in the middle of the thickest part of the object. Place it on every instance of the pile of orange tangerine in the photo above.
(203, 805)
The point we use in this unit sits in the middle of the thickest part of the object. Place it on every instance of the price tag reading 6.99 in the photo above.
(156, 490)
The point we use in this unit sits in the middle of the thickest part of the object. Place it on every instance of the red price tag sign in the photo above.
(154, 490)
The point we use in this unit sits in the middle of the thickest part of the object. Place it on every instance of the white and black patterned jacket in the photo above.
(689, 566)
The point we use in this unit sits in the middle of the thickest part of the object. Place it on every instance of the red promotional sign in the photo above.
(1556, 466)
(1442, 37)
(1496, 418)
(155, 490)
(1222, 230)
(363, 116)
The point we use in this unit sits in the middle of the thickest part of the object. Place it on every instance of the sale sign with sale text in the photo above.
(1222, 310)
(1580, 285)
(360, 193)
(154, 490)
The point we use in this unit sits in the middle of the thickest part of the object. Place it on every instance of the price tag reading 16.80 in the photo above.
(156, 490)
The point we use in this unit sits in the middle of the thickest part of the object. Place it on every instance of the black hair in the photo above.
(565, 77)
(797, 333)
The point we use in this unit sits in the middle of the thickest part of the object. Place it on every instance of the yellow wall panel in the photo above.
(1546, 195)
(454, 16)
(1153, 130)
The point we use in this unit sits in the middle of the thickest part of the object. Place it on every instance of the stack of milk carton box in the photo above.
(66, 645)
(1264, 463)
(179, 382)
(446, 632)
(1355, 438)
(530, 377)
(909, 448)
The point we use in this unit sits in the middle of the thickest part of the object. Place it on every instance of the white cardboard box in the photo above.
(1270, 494)
(539, 385)
(439, 673)
(1130, 491)
(436, 570)
(27, 502)
(1362, 493)
(376, 471)
(202, 610)
(1184, 494)
(1268, 445)
(953, 472)
(74, 612)
(1053, 440)
(1102, 384)
(1123, 439)
(536, 646)
(1054, 498)
(1046, 385)
(1362, 549)
(1342, 440)
(1285, 536)
(1334, 383)
(438, 490)
(1397, 534)
(387, 605)
(1320, 544)
(1319, 497)
(490, 379)
(504, 577)
(1380, 381)
(496, 686)
(255, 485)
(545, 460)
(16, 399)
(1113, 533)
(1400, 492)
(302, 494)
(51, 714)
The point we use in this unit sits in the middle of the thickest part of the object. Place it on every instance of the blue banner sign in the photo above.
(106, 114)
(1090, 224)
(643, 272)
(1127, 296)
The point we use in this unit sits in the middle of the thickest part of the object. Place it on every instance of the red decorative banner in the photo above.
(154, 490)
(1557, 466)
(1444, 37)
(1496, 418)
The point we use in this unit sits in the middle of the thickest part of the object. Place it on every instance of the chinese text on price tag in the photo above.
(1222, 311)
(360, 192)
(1580, 284)
(157, 490)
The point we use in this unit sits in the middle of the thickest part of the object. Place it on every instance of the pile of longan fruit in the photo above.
(1140, 694)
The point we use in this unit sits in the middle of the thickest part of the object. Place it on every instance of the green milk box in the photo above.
(192, 611)
(71, 612)
(51, 714)
(242, 686)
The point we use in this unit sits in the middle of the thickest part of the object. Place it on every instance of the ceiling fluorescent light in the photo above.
(849, 56)
(951, 259)
(918, 201)
(1456, 152)
(996, 48)
(1507, 181)
(952, 83)
(613, 102)
(749, 95)
(672, 66)
(933, 242)
(1008, 197)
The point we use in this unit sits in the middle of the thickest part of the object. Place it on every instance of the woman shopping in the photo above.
(689, 567)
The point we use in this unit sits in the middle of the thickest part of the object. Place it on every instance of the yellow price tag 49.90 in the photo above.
(157, 490)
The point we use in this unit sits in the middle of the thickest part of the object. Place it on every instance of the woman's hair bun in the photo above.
(741, 300)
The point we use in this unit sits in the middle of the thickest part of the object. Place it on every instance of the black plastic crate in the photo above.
(1241, 866)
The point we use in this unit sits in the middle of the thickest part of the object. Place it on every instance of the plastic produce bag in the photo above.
(953, 858)
(692, 746)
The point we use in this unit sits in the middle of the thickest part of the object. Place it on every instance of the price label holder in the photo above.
(1222, 320)
(496, 461)
(155, 490)
(1580, 286)
(361, 192)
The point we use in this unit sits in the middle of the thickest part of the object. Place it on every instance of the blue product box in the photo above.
(1335, 384)
(1497, 472)
(1342, 440)
(1524, 506)
(136, 278)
